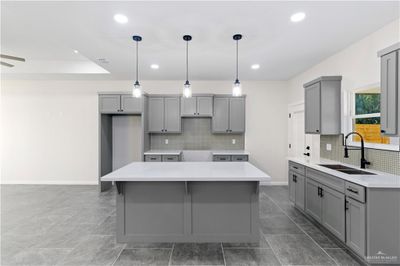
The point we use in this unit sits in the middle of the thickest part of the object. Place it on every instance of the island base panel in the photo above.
(188, 212)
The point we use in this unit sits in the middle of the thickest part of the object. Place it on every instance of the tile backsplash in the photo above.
(196, 135)
(381, 160)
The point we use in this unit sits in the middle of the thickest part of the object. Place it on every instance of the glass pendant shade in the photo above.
(187, 90)
(137, 90)
(237, 89)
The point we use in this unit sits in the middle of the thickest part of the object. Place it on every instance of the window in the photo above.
(365, 118)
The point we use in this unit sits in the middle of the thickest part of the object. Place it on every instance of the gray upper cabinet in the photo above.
(164, 115)
(322, 100)
(119, 104)
(130, 104)
(355, 226)
(229, 115)
(390, 98)
(197, 106)
(110, 104)
(333, 213)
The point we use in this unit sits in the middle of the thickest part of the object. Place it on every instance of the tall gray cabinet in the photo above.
(164, 114)
(229, 114)
(322, 98)
(390, 96)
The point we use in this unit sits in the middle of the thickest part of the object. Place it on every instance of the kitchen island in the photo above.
(187, 201)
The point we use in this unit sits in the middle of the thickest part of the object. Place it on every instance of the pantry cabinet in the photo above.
(322, 100)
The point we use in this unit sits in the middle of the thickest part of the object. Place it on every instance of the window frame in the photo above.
(350, 114)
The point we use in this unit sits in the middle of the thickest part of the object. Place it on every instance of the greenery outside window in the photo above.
(365, 118)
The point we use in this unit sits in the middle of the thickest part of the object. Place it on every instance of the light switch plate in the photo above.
(328, 147)
(166, 141)
(233, 141)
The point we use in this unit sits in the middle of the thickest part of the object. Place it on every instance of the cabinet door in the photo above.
(313, 200)
(237, 115)
(156, 114)
(333, 213)
(292, 187)
(389, 92)
(355, 226)
(220, 120)
(188, 106)
(110, 104)
(172, 115)
(205, 106)
(312, 108)
(131, 105)
(299, 194)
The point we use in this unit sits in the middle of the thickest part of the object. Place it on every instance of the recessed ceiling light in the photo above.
(76, 51)
(297, 17)
(120, 18)
(255, 66)
(154, 66)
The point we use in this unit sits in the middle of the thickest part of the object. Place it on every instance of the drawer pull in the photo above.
(352, 190)
(295, 167)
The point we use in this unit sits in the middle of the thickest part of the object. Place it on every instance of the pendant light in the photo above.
(137, 89)
(237, 88)
(187, 89)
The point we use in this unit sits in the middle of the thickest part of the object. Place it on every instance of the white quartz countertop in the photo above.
(188, 171)
(163, 152)
(229, 152)
(379, 180)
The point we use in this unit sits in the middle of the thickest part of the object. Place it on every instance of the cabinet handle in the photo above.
(352, 190)
(317, 130)
(194, 113)
(165, 130)
(295, 167)
(295, 178)
(383, 131)
(346, 205)
(322, 192)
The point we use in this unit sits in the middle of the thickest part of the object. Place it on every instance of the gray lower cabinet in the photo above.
(221, 158)
(355, 226)
(297, 189)
(313, 200)
(322, 98)
(119, 104)
(229, 115)
(389, 90)
(197, 106)
(333, 212)
(164, 115)
(152, 158)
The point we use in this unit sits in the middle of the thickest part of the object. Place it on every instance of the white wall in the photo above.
(358, 63)
(50, 128)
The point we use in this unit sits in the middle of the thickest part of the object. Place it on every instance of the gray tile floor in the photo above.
(75, 225)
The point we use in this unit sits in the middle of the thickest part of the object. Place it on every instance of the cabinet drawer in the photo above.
(239, 158)
(221, 158)
(355, 191)
(328, 180)
(152, 158)
(298, 168)
(170, 158)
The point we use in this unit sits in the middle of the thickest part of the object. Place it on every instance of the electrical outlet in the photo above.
(233, 141)
(166, 141)
(328, 147)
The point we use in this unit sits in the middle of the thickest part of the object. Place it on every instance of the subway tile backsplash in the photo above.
(196, 135)
(381, 160)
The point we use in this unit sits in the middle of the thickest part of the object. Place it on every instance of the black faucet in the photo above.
(364, 162)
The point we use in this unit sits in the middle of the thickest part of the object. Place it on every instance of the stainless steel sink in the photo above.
(346, 169)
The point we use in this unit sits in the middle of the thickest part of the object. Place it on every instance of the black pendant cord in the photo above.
(137, 62)
(237, 60)
(187, 62)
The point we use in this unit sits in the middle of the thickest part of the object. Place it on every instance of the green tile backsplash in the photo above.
(196, 135)
(381, 160)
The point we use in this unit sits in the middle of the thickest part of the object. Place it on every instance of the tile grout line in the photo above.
(170, 256)
(273, 251)
(304, 231)
(223, 254)
(122, 249)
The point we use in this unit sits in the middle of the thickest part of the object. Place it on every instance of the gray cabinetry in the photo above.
(389, 91)
(313, 200)
(164, 115)
(322, 99)
(229, 115)
(197, 106)
(355, 226)
(297, 189)
(333, 213)
(119, 104)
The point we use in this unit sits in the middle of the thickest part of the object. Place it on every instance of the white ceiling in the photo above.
(47, 33)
